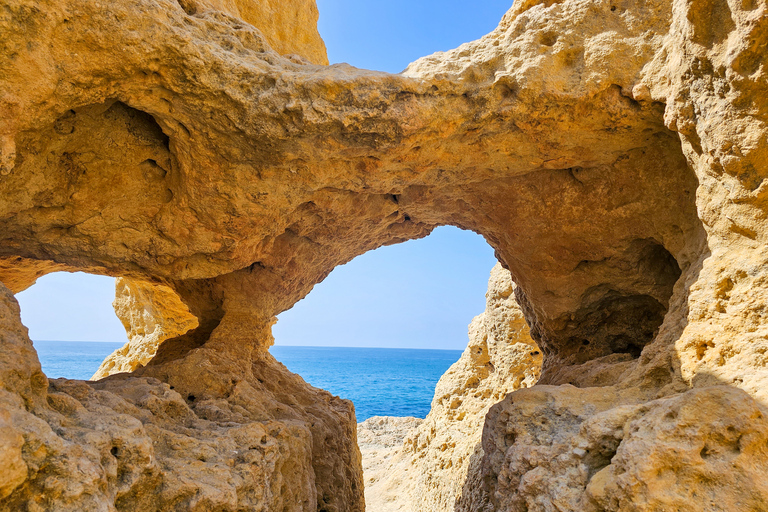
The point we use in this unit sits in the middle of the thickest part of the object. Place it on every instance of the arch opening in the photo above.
(404, 31)
(408, 400)
(88, 326)
(582, 191)
(388, 324)
(71, 322)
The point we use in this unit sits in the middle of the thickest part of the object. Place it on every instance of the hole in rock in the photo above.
(388, 324)
(71, 322)
(613, 320)
(403, 30)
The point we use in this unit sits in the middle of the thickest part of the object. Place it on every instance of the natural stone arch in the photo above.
(258, 174)
(634, 267)
(286, 218)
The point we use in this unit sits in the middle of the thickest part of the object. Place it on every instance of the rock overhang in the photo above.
(282, 171)
(611, 152)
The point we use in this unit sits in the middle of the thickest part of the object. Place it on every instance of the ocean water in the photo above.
(379, 381)
(72, 359)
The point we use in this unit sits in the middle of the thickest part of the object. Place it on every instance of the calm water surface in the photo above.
(380, 381)
(72, 359)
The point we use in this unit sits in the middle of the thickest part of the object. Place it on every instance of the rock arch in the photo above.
(619, 178)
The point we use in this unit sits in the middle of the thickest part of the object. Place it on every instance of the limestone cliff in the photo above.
(290, 27)
(612, 152)
(381, 442)
(428, 470)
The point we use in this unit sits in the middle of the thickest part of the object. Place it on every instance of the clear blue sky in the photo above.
(421, 294)
(71, 307)
(387, 35)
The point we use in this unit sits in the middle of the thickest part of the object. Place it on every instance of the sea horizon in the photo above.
(276, 345)
(380, 381)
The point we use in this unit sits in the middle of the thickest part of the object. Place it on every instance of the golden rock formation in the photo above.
(612, 152)
(289, 27)
(136, 443)
(150, 314)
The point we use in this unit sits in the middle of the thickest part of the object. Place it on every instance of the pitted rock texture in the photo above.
(381, 440)
(18, 274)
(290, 27)
(565, 448)
(242, 213)
(135, 443)
(150, 314)
(612, 152)
(427, 471)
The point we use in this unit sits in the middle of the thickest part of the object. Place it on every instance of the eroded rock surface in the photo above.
(133, 443)
(150, 314)
(381, 441)
(290, 27)
(577, 449)
(612, 152)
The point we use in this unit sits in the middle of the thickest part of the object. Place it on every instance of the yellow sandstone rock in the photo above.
(150, 314)
(290, 27)
(426, 472)
(387, 485)
(612, 152)
(136, 443)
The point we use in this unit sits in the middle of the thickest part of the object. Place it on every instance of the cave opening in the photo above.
(444, 291)
(389, 324)
(71, 322)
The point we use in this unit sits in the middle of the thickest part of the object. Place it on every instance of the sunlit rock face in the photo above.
(151, 314)
(290, 27)
(232, 430)
(426, 470)
(136, 443)
(612, 152)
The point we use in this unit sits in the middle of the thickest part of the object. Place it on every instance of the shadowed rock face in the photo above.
(613, 154)
(136, 443)
(151, 314)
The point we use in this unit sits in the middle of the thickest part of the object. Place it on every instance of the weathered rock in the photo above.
(133, 443)
(576, 449)
(290, 27)
(428, 470)
(381, 441)
(281, 198)
(150, 314)
(612, 152)
(18, 274)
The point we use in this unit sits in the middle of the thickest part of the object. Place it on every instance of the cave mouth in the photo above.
(71, 322)
(387, 325)
(612, 319)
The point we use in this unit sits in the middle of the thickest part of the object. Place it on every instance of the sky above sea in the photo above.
(418, 294)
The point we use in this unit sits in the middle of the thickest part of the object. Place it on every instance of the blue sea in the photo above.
(379, 381)
(72, 359)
